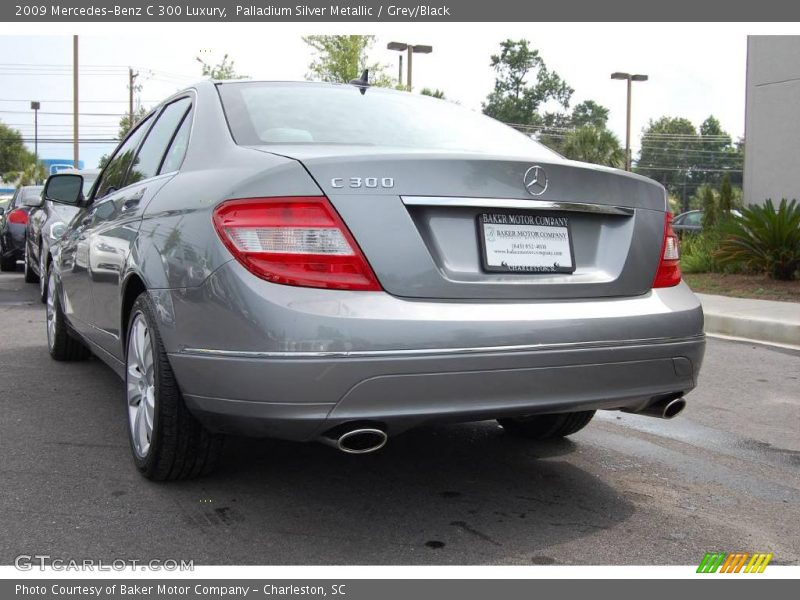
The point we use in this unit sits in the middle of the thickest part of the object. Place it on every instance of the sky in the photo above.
(695, 70)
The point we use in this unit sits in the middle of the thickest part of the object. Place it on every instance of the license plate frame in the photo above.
(551, 223)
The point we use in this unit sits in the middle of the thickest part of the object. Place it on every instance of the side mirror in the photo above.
(64, 188)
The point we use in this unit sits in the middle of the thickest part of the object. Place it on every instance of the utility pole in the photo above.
(131, 79)
(35, 106)
(411, 49)
(75, 150)
(629, 78)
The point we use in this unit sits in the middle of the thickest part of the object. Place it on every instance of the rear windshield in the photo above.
(306, 113)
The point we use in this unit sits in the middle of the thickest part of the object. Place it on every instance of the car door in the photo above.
(73, 257)
(117, 220)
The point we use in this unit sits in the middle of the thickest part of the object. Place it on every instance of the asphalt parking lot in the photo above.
(628, 489)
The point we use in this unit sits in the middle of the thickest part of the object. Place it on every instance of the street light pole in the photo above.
(131, 79)
(35, 107)
(75, 146)
(629, 79)
(411, 49)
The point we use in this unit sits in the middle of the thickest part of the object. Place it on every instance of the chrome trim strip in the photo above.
(517, 203)
(434, 351)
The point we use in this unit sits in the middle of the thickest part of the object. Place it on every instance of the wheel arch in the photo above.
(132, 286)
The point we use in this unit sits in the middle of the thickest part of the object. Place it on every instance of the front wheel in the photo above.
(546, 427)
(166, 440)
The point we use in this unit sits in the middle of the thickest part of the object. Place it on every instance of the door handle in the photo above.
(133, 201)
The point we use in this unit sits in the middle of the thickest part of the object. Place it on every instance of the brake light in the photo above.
(18, 216)
(298, 241)
(669, 269)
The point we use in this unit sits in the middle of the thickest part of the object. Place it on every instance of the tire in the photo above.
(60, 341)
(8, 263)
(177, 445)
(30, 274)
(546, 427)
(44, 275)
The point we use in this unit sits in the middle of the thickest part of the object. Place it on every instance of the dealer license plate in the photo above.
(525, 243)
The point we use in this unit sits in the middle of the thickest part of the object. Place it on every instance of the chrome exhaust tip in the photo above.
(664, 408)
(358, 441)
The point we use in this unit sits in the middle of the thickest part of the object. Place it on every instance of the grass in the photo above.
(759, 287)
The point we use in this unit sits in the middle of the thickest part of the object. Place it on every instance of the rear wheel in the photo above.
(545, 427)
(167, 442)
(30, 274)
(61, 344)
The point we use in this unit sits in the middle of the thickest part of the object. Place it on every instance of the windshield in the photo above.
(306, 113)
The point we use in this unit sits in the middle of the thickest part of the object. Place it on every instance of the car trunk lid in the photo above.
(418, 215)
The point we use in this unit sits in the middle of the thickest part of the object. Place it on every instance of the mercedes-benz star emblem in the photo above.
(535, 180)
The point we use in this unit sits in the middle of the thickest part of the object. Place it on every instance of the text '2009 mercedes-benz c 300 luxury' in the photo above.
(342, 263)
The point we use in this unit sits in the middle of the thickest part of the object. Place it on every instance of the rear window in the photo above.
(307, 113)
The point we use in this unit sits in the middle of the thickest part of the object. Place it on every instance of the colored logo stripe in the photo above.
(758, 563)
(734, 562)
(711, 562)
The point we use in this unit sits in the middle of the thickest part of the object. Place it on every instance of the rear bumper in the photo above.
(300, 398)
(263, 359)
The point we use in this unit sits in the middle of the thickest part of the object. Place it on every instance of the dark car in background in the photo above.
(46, 223)
(688, 222)
(12, 229)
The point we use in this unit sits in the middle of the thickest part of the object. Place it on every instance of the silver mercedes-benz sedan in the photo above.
(342, 263)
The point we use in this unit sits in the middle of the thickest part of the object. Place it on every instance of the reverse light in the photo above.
(669, 268)
(18, 216)
(298, 241)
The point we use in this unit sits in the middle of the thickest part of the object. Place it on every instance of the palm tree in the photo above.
(594, 145)
(32, 174)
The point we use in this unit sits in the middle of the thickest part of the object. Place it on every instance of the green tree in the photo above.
(523, 85)
(341, 58)
(437, 93)
(14, 156)
(224, 69)
(667, 152)
(125, 124)
(726, 194)
(594, 145)
(684, 158)
(589, 113)
(710, 216)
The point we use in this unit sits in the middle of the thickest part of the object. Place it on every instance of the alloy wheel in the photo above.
(51, 311)
(140, 385)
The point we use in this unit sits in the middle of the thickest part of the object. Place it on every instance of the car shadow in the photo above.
(454, 494)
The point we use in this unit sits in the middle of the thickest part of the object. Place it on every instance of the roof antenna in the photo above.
(363, 83)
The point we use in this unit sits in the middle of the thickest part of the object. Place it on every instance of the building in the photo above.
(772, 126)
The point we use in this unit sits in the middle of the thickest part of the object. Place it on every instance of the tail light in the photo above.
(298, 241)
(18, 216)
(669, 269)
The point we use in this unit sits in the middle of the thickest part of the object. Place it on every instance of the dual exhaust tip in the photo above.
(361, 440)
(364, 440)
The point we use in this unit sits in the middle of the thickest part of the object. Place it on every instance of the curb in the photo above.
(754, 322)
